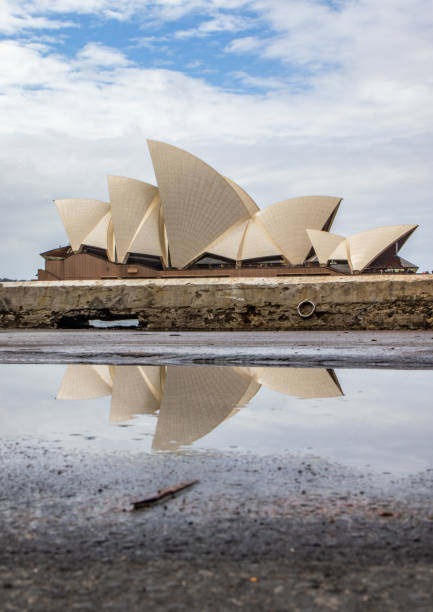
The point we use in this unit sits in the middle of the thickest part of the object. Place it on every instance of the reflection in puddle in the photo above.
(190, 401)
(384, 419)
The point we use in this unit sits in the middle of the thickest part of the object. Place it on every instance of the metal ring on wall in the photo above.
(309, 312)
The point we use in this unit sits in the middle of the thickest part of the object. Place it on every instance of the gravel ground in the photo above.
(401, 349)
(274, 533)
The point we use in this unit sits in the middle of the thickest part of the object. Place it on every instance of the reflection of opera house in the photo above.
(190, 401)
(197, 222)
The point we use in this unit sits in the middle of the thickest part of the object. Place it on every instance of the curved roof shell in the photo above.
(147, 238)
(246, 240)
(80, 217)
(365, 247)
(340, 253)
(130, 200)
(361, 249)
(299, 382)
(196, 400)
(229, 244)
(132, 393)
(99, 235)
(85, 382)
(325, 244)
(198, 203)
(286, 223)
(248, 201)
(257, 242)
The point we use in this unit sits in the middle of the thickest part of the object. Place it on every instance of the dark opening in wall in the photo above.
(107, 321)
(73, 322)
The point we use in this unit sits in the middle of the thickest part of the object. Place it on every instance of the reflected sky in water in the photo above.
(379, 418)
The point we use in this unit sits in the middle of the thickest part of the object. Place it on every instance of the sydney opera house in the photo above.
(197, 222)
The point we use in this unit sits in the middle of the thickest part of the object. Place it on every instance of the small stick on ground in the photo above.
(162, 494)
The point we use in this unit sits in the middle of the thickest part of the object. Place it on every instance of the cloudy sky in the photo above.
(287, 97)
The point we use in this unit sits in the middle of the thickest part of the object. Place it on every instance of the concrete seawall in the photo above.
(359, 302)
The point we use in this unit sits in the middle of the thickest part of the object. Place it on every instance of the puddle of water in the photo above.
(379, 418)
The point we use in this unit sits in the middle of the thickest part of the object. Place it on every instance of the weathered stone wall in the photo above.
(359, 302)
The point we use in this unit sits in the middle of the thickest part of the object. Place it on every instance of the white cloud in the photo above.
(223, 22)
(23, 66)
(16, 17)
(194, 65)
(147, 42)
(266, 83)
(245, 45)
(20, 15)
(363, 37)
(95, 54)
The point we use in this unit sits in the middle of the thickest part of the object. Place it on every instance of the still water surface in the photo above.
(377, 418)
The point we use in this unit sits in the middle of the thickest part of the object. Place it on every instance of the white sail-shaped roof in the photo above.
(85, 382)
(99, 234)
(257, 242)
(130, 200)
(131, 393)
(80, 217)
(340, 253)
(154, 377)
(198, 203)
(111, 241)
(247, 240)
(195, 401)
(286, 222)
(299, 382)
(324, 244)
(365, 247)
(147, 238)
(360, 249)
(229, 244)
(248, 201)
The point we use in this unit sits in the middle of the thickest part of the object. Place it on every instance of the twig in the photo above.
(162, 494)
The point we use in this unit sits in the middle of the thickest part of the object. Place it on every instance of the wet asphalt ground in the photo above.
(336, 349)
(273, 533)
(287, 532)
